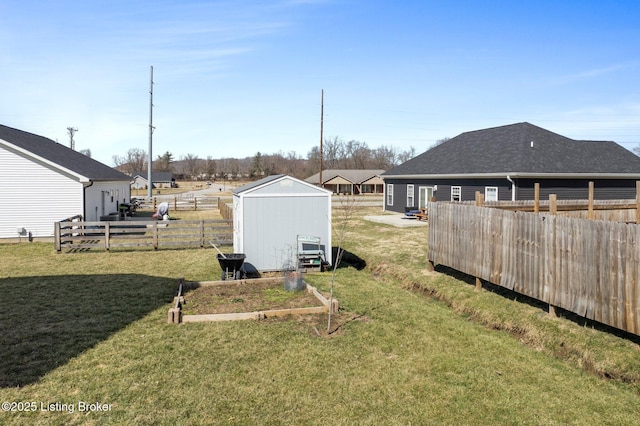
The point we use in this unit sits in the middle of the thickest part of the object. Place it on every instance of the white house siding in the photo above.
(103, 198)
(33, 197)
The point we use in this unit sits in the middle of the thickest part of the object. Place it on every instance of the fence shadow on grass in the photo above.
(48, 320)
(544, 307)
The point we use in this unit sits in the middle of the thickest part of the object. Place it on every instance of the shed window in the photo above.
(389, 194)
(491, 193)
(410, 195)
(456, 191)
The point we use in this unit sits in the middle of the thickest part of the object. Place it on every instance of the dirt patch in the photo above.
(264, 296)
(245, 297)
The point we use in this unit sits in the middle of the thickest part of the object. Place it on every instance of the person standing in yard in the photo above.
(162, 212)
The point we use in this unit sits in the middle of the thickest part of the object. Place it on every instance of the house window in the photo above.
(456, 192)
(389, 194)
(491, 193)
(410, 195)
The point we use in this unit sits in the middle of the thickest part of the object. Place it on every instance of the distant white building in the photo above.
(139, 180)
(43, 182)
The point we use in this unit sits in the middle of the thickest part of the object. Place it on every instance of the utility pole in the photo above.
(150, 160)
(72, 131)
(321, 129)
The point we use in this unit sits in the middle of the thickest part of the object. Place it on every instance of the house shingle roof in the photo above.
(520, 148)
(61, 155)
(155, 176)
(352, 175)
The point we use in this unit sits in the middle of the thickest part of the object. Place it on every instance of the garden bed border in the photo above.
(175, 315)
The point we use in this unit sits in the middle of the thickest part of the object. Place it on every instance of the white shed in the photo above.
(270, 215)
(43, 182)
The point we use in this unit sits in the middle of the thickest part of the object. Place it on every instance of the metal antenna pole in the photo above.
(150, 161)
(321, 129)
(72, 131)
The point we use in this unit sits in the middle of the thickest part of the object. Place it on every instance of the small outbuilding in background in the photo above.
(272, 214)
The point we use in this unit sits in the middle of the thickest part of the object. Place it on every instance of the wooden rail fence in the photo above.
(187, 202)
(588, 267)
(137, 233)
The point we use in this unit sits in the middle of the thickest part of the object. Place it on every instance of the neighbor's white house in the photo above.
(42, 182)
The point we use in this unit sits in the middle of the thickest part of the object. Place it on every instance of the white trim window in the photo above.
(410, 195)
(389, 194)
(491, 193)
(456, 193)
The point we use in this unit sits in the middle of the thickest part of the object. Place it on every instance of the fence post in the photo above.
(175, 203)
(202, 234)
(638, 201)
(536, 197)
(479, 203)
(56, 233)
(553, 209)
(590, 214)
(155, 235)
(195, 203)
(107, 231)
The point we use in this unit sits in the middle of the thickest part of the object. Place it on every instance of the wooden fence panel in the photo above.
(152, 234)
(591, 268)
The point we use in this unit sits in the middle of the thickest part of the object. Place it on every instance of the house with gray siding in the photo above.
(269, 216)
(44, 182)
(504, 163)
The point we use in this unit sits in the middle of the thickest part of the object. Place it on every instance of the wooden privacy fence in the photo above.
(136, 233)
(588, 267)
(226, 210)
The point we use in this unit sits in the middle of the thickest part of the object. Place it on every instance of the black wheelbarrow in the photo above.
(231, 265)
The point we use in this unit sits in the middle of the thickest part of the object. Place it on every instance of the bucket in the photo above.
(293, 281)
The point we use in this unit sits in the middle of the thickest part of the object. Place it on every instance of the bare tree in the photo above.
(190, 165)
(133, 162)
(405, 156)
(210, 167)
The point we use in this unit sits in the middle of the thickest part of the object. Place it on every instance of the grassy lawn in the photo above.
(410, 347)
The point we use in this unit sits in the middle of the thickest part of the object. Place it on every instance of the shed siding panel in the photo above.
(271, 226)
(34, 196)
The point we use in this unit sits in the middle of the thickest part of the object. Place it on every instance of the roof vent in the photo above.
(531, 144)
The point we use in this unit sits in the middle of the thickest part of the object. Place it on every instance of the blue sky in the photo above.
(236, 77)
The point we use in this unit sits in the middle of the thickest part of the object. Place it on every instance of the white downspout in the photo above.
(513, 188)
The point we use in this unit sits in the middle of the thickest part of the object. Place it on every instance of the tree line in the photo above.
(336, 154)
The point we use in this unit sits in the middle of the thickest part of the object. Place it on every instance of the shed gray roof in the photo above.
(257, 183)
(353, 176)
(520, 148)
(61, 155)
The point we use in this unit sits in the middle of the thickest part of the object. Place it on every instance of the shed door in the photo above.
(425, 193)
